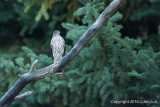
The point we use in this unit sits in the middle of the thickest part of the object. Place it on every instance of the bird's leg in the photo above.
(61, 57)
(54, 62)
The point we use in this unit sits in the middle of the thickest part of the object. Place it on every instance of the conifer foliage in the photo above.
(108, 68)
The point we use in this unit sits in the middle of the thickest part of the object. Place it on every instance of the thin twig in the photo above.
(22, 95)
(33, 65)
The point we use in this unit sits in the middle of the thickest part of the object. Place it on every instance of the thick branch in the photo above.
(41, 73)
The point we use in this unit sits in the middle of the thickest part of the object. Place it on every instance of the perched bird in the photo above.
(58, 46)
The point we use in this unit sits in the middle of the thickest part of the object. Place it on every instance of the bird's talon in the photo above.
(54, 64)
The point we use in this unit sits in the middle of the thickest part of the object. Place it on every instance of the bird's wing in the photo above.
(64, 49)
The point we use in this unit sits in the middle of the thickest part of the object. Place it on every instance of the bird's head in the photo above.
(56, 33)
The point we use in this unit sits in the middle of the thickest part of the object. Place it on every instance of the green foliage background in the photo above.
(112, 66)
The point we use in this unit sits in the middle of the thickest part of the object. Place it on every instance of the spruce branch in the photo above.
(136, 57)
(32, 75)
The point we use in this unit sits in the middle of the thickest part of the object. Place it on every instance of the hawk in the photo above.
(58, 46)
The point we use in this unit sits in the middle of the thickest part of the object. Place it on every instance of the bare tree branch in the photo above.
(33, 65)
(22, 95)
(32, 75)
